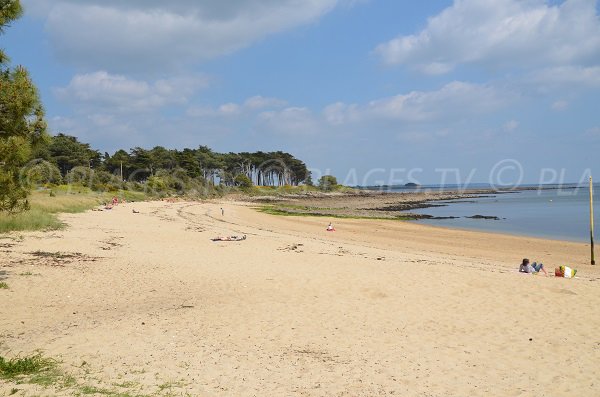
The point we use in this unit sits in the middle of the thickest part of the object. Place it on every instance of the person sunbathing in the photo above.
(532, 268)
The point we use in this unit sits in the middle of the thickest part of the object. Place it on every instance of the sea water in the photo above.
(561, 213)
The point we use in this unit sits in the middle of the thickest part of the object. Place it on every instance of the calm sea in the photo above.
(555, 213)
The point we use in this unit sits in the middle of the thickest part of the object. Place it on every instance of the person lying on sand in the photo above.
(229, 238)
(532, 269)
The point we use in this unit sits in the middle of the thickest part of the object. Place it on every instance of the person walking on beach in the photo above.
(531, 268)
(222, 212)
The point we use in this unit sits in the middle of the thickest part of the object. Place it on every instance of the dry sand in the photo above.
(152, 305)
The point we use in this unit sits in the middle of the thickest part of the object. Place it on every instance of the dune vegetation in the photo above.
(46, 203)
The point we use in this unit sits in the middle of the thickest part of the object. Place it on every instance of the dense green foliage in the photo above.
(328, 182)
(65, 159)
(9, 11)
(22, 126)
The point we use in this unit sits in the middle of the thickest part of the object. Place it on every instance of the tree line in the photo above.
(63, 155)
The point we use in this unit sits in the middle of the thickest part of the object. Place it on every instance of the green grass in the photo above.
(46, 204)
(126, 385)
(33, 219)
(3, 285)
(30, 365)
(284, 206)
(69, 201)
(94, 390)
(169, 386)
(45, 372)
(35, 370)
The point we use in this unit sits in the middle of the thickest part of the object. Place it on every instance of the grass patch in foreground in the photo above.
(3, 285)
(45, 372)
(21, 366)
(46, 204)
(86, 390)
(34, 219)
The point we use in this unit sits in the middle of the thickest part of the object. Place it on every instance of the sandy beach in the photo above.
(146, 304)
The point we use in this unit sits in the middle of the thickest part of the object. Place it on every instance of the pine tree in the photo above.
(22, 125)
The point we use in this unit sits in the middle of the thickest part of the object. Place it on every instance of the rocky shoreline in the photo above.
(368, 204)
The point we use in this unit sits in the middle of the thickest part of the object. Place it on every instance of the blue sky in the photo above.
(371, 91)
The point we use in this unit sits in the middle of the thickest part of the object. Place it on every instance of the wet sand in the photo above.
(376, 308)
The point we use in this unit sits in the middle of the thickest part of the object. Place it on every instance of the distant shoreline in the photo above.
(363, 203)
(414, 205)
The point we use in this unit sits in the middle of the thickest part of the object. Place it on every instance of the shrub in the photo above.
(243, 181)
(328, 183)
(41, 173)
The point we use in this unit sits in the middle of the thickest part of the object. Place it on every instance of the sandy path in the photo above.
(376, 308)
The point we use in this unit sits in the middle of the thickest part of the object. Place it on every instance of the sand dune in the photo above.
(376, 308)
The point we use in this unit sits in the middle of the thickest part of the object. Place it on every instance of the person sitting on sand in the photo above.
(330, 228)
(532, 268)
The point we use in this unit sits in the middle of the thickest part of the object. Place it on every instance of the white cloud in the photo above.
(291, 120)
(250, 105)
(593, 133)
(260, 102)
(151, 35)
(116, 93)
(570, 76)
(455, 100)
(102, 120)
(560, 105)
(340, 113)
(511, 125)
(59, 123)
(415, 137)
(201, 111)
(508, 33)
(229, 109)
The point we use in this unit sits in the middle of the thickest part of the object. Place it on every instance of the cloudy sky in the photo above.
(373, 91)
